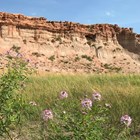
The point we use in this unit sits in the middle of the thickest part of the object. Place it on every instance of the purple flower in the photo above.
(86, 103)
(47, 114)
(63, 94)
(96, 96)
(126, 120)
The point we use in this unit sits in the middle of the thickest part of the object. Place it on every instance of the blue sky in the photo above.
(125, 13)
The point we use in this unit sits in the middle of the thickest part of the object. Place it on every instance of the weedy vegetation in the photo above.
(68, 107)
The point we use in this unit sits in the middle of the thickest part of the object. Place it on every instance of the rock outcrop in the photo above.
(67, 46)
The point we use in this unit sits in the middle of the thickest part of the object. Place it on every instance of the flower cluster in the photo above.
(63, 94)
(47, 114)
(126, 120)
(86, 103)
(96, 96)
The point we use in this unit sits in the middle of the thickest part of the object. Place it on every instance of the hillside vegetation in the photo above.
(70, 119)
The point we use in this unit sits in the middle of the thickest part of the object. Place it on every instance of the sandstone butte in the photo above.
(70, 47)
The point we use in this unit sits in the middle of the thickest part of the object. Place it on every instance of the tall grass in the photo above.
(121, 91)
(70, 121)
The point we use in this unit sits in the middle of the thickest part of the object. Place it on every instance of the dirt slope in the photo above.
(71, 47)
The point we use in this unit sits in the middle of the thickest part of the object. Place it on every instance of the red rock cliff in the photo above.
(124, 36)
(39, 34)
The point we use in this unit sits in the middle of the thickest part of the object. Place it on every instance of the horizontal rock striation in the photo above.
(67, 39)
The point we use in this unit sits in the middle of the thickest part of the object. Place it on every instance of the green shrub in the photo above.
(52, 58)
(37, 54)
(75, 122)
(15, 48)
(87, 57)
(11, 101)
(77, 59)
(112, 68)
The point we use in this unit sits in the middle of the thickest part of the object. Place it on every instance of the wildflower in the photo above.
(33, 103)
(107, 105)
(63, 94)
(47, 114)
(87, 103)
(96, 96)
(64, 112)
(126, 120)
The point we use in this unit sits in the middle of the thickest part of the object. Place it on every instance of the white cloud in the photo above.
(33, 14)
(109, 14)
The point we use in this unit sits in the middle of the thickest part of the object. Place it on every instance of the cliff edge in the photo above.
(71, 47)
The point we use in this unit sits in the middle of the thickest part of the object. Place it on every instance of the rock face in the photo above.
(71, 47)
